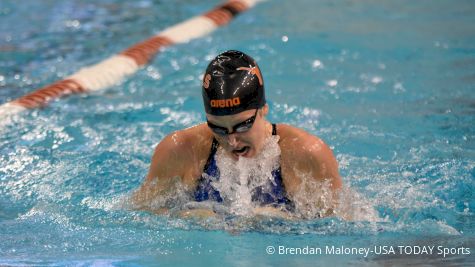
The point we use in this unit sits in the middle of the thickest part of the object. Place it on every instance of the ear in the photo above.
(265, 110)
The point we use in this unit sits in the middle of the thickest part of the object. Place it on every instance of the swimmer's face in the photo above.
(245, 144)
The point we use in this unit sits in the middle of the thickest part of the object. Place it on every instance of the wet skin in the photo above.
(181, 156)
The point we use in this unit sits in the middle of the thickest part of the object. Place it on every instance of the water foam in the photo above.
(314, 199)
(239, 178)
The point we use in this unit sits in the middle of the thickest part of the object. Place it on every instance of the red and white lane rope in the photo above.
(115, 68)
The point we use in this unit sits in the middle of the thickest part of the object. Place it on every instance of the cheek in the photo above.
(254, 138)
(251, 140)
(247, 139)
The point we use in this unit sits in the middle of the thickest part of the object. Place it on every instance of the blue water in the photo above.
(389, 85)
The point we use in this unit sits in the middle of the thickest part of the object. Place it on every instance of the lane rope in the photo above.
(114, 69)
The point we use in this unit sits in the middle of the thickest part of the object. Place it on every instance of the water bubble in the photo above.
(317, 64)
(72, 23)
(376, 79)
(332, 83)
(153, 73)
(175, 64)
(398, 88)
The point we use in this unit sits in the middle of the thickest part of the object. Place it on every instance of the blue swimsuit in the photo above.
(274, 194)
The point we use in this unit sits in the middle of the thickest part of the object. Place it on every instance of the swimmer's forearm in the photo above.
(197, 214)
(272, 212)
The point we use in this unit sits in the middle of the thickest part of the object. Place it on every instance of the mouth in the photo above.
(242, 152)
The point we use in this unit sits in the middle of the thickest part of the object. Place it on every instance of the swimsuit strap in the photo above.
(214, 148)
(274, 129)
(204, 190)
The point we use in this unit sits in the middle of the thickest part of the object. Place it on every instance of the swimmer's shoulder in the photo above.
(193, 138)
(306, 152)
(177, 157)
(291, 136)
(294, 145)
(187, 150)
(197, 138)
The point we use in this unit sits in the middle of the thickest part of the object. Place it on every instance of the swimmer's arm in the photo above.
(312, 159)
(322, 163)
(324, 168)
(273, 212)
(166, 169)
(197, 213)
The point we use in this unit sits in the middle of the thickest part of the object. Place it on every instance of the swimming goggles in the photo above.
(238, 128)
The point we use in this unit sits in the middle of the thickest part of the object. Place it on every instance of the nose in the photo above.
(232, 139)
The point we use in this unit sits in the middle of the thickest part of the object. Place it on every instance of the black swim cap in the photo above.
(232, 83)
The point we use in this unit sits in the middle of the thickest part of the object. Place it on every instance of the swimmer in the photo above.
(236, 128)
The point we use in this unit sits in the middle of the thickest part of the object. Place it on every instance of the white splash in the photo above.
(316, 199)
(239, 178)
(313, 199)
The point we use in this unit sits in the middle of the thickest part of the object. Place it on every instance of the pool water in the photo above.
(389, 85)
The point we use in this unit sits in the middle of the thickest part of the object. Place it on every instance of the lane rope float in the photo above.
(115, 68)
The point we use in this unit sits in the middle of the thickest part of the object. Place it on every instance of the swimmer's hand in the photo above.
(197, 214)
(267, 211)
(155, 192)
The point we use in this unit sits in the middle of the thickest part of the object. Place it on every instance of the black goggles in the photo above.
(238, 128)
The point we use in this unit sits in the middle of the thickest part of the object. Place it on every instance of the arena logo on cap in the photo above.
(225, 103)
